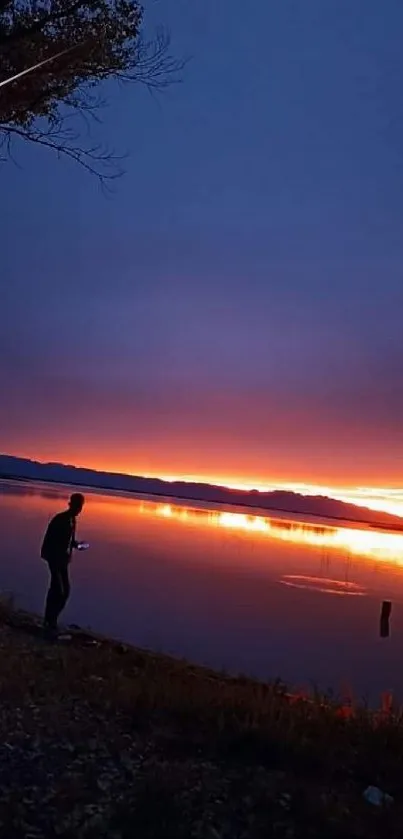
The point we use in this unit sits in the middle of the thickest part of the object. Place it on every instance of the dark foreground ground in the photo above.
(103, 740)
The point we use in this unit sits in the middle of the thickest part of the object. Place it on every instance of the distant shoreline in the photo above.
(249, 506)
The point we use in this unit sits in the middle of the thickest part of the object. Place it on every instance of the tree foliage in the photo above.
(100, 39)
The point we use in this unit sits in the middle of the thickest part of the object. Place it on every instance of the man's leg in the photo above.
(54, 599)
(65, 583)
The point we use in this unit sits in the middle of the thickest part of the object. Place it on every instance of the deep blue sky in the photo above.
(236, 307)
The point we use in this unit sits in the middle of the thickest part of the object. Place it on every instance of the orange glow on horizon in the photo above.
(387, 499)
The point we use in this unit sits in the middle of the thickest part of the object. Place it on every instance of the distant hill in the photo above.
(278, 500)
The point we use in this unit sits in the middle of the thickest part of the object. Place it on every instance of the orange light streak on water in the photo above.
(373, 544)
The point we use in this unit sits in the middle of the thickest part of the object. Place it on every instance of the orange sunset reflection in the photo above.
(376, 545)
(325, 585)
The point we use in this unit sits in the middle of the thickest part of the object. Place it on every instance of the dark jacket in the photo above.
(60, 538)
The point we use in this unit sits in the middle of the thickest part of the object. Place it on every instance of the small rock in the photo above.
(377, 797)
(103, 784)
(285, 800)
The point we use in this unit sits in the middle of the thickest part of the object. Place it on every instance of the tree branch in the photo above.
(97, 160)
(154, 66)
(91, 41)
(18, 33)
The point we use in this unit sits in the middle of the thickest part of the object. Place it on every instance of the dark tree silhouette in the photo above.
(99, 40)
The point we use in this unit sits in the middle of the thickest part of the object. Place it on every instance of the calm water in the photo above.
(254, 594)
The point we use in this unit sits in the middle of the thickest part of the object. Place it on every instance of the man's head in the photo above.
(76, 503)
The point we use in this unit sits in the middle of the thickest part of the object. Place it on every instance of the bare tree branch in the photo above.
(154, 65)
(95, 159)
(104, 40)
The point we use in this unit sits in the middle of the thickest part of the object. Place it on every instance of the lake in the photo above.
(255, 594)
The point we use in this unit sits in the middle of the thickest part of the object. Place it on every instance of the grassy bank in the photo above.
(100, 739)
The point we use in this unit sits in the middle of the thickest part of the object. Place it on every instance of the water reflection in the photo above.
(325, 585)
(267, 596)
(373, 544)
(356, 540)
(19, 489)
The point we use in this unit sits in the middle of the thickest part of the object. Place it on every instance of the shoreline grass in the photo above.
(99, 738)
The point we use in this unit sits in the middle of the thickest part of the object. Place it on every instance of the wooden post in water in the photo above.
(384, 628)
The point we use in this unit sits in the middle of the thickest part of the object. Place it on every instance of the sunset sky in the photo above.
(235, 310)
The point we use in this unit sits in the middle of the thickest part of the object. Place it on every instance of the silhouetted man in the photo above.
(57, 547)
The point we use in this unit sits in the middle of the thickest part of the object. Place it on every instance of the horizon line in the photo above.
(311, 491)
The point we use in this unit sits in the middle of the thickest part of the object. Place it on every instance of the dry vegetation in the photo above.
(103, 740)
